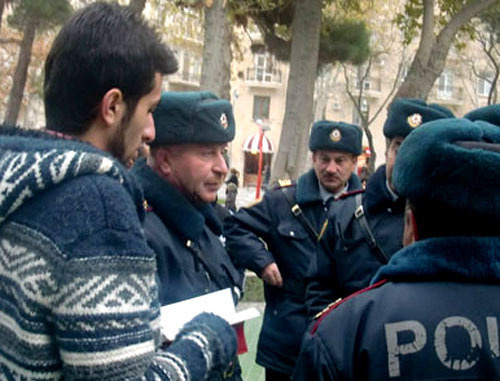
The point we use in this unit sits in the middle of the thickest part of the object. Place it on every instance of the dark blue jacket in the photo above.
(432, 314)
(187, 239)
(268, 232)
(345, 261)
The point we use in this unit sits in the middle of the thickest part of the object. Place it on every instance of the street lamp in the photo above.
(262, 129)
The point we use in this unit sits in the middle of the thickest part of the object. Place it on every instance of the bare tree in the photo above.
(430, 58)
(300, 91)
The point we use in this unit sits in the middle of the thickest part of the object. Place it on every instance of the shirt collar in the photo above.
(326, 195)
(394, 195)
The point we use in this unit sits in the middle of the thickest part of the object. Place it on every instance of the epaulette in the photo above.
(348, 194)
(283, 183)
(321, 315)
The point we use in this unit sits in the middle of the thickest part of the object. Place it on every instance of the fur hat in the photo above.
(490, 114)
(335, 136)
(193, 117)
(406, 114)
(454, 164)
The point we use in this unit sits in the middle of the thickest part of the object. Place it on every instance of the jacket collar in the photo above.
(307, 189)
(378, 197)
(445, 258)
(173, 208)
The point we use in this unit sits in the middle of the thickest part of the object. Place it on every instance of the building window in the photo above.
(445, 85)
(366, 84)
(483, 87)
(263, 67)
(261, 107)
(190, 67)
(365, 110)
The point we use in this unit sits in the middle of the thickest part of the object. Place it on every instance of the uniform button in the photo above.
(292, 233)
(275, 312)
(389, 210)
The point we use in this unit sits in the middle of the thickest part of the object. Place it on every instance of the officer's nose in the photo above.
(220, 165)
(332, 167)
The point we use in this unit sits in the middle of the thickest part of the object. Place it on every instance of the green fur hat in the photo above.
(193, 117)
(453, 164)
(490, 114)
(406, 114)
(335, 136)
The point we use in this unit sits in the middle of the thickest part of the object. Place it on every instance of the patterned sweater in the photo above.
(78, 298)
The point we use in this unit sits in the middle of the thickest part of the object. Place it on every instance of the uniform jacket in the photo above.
(268, 232)
(431, 314)
(345, 261)
(77, 278)
(188, 241)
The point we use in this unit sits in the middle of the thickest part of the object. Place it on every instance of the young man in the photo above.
(431, 312)
(276, 238)
(78, 297)
(365, 229)
(180, 180)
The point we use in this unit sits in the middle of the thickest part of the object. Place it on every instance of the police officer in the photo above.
(365, 229)
(181, 178)
(431, 312)
(276, 239)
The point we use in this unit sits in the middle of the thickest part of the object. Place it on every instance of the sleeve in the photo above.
(106, 311)
(321, 285)
(246, 234)
(313, 362)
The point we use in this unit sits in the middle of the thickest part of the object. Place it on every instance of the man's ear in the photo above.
(410, 233)
(113, 107)
(162, 160)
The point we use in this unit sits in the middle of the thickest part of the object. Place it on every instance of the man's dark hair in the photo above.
(102, 46)
(436, 220)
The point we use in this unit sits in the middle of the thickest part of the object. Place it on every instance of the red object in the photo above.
(242, 342)
(259, 171)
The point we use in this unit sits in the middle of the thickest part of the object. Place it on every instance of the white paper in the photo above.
(175, 315)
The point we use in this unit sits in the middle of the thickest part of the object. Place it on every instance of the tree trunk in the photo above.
(217, 56)
(137, 5)
(430, 58)
(299, 97)
(2, 7)
(20, 75)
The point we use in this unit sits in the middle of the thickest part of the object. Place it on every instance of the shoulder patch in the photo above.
(146, 206)
(350, 193)
(320, 316)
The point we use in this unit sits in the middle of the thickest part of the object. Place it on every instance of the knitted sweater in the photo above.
(78, 297)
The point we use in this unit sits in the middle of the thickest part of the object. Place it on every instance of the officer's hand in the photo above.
(272, 276)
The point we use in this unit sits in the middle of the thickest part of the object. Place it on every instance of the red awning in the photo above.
(252, 144)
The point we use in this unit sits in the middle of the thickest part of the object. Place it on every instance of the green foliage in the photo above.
(43, 13)
(410, 20)
(344, 41)
(491, 20)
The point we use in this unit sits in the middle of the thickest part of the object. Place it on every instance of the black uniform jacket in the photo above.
(432, 314)
(345, 260)
(187, 239)
(268, 232)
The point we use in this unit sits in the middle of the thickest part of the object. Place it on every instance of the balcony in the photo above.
(257, 77)
(185, 80)
(447, 96)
